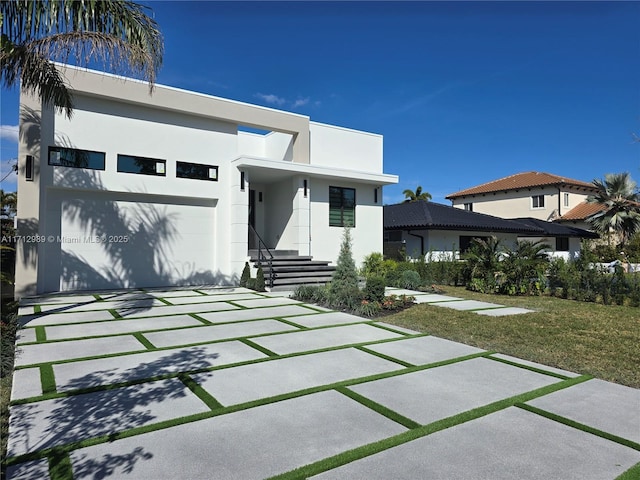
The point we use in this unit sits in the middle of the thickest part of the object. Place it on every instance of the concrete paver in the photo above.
(527, 363)
(324, 319)
(261, 380)
(508, 444)
(115, 327)
(323, 338)
(29, 470)
(467, 305)
(267, 302)
(255, 314)
(424, 350)
(134, 312)
(603, 405)
(65, 318)
(501, 312)
(228, 297)
(250, 444)
(127, 368)
(26, 383)
(50, 423)
(70, 349)
(434, 394)
(212, 333)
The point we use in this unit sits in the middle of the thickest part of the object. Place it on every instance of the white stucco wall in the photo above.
(366, 235)
(339, 147)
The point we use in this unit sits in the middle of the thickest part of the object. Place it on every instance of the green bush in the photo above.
(246, 275)
(260, 285)
(368, 309)
(374, 289)
(251, 283)
(373, 265)
(345, 278)
(411, 279)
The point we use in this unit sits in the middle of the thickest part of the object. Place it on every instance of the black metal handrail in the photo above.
(262, 257)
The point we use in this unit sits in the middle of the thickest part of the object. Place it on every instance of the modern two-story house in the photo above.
(176, 187)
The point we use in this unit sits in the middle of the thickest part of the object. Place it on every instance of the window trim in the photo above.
(210, 167)
(566, 199)
(342, 207)
(540, 202)
(468, 207)
(55, 148)
(156, 160)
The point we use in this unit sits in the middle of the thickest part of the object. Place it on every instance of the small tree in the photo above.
(260, 280)
(246, 275)
(345, 278)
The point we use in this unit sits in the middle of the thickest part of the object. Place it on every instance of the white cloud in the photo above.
(300, 102)
(9, 133)
(271, 98)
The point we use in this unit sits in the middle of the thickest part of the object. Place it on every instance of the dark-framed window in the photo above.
(142, 165)
(537, 201)
(392, 236)
(197, 171)
(342, 207)
(562, 244)
(468, 207)
(76, 158)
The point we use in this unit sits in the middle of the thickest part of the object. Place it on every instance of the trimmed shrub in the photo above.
(246, 275)
(251, 283)
(374, 289)
(345, 277)
(260, 285)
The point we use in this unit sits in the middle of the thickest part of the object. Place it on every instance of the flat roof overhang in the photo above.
(263, 170)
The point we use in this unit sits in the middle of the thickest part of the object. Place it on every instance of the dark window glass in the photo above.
(342, 207)
(562, 244)
(141, 165)
(72, 157)
(196, 171)
(393, 236)
(468, 207)
(537, 201)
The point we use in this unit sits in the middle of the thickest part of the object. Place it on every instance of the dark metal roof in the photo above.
(557, 229)
(435, 216)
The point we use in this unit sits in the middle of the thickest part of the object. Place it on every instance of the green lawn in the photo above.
(587, 338)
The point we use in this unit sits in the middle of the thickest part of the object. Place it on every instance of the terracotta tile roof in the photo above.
(581, 211)
(521, 180)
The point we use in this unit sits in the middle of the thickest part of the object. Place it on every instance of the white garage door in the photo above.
(111, 242)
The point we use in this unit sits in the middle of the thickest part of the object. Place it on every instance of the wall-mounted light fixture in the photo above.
(306, 187)
(375, 195)
(242, 181)
(260, 196)
(28, 169)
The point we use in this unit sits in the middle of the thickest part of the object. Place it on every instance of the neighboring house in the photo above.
(530, 194)
(422, 228)
(140, 190)
(578, 215)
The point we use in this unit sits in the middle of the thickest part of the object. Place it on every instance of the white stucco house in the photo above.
(140, 190)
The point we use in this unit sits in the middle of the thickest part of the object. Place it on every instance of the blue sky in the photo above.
(463, 92)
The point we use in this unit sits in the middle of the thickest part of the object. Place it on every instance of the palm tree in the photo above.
(116, 33)
(416, 196)
(620, 201)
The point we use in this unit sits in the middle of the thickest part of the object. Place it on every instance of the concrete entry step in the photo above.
(293, 270)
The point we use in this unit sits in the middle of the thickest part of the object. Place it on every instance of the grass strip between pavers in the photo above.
(144, 341)
(41, 334)
(422, 431)
(385, 357)
(378, 408)
(113, 312)
(580, 426)
(260, 348)
(204, 321)
(37, 309)
(632, 474)
(291, 324)
(60, 466)
(200, 392)
(47, 379)
(166, 302)
(373, 323)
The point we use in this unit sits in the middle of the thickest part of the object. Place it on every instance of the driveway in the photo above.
(227, 383)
